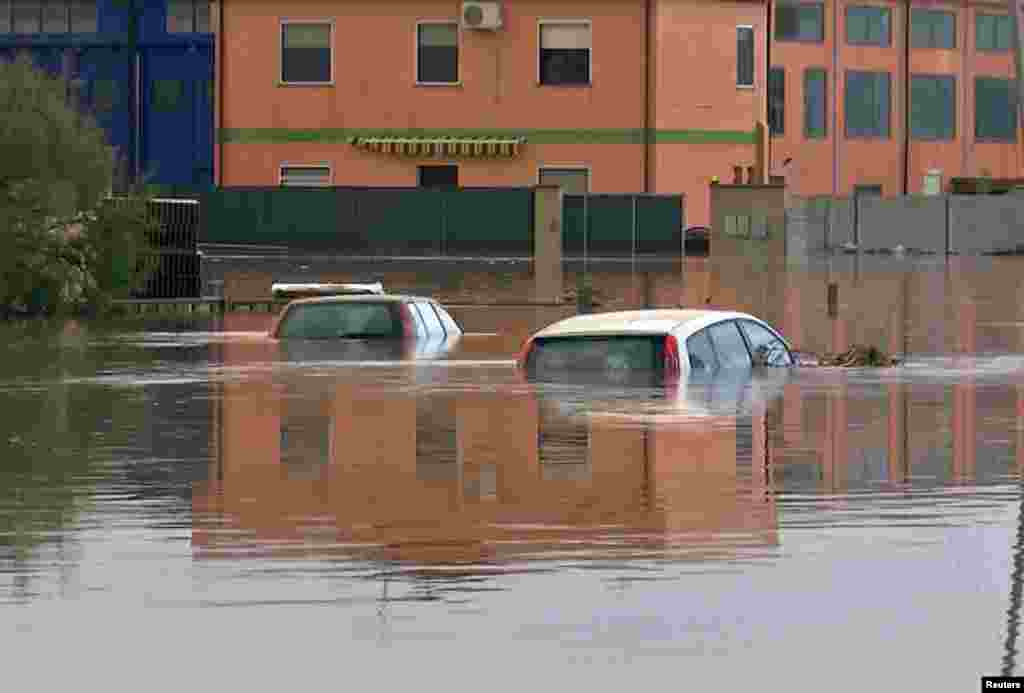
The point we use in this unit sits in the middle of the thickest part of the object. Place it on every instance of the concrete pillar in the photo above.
(547, 244)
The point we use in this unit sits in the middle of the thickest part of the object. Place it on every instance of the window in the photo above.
(815, 103)
(306, 52)
(702, 354)
(932, 29)
(306, 176)
(729, 345)
(867, 104)
(437, 53)
(48, 16)
(799, 22)
(573, 181)
(867, 26)
(777, 101)
(446, 176)
(26, 16)
(744, 56)
(995, 109)
(188, 16)
(766, 345)
(932, 107)
(620, 359)
(83, 17)
(993, 32)
(451, 327)
(340, 319)
(430, 319)
(565, 53)
(867, 190)
(167, 94)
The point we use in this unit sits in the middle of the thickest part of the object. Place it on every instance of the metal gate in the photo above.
(177, 273)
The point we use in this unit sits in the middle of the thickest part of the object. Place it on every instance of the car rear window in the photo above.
(334, 320)
(612, 355)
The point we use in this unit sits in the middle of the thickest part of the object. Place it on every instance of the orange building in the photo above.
(843, 74)
(612, 96)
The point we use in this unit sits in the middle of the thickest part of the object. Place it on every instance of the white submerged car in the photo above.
(650, 346)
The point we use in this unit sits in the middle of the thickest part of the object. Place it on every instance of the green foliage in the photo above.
(66, 247)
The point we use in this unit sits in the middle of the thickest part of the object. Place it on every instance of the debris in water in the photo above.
(858, 356)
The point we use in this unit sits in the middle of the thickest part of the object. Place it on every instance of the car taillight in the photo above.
(671, 365)
(524, 352)
(408, 328)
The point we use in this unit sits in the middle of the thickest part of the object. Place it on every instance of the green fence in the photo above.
(424, 222)
(620, 225)
(373, 221)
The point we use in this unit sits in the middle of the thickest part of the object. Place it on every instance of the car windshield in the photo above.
(617, 358)
(340, 319)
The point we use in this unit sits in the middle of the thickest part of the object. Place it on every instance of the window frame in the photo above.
(953, 135)
(458, 52)
(1012, 138)
(825, 103)
(285, 21)
(821, 34)
(753, 57)
(977, 18)
(590, 52)
(294, 165)
(567, 168)
(919, 11)
(846, 106)
(885, 10)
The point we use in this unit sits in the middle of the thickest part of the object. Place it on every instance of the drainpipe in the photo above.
(768, 96)
(219, 38)
(647, 97)
(836, 77)
(906, 99)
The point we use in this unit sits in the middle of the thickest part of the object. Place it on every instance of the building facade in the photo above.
(892, 97)
(149, 83)
(614, 96)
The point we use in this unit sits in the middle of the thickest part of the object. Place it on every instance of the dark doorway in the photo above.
(439, 176)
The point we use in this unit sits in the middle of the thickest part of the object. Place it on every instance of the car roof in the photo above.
(363, 298)
(655, 321)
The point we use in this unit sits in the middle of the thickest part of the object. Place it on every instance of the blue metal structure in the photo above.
(151, 89)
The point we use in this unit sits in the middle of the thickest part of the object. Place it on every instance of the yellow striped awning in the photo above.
(448, 147)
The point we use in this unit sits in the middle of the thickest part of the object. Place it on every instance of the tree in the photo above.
(55, 175)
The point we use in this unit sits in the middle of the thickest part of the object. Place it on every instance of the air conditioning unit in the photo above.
(481, 15)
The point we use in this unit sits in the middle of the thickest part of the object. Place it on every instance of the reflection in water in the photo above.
(388, 505)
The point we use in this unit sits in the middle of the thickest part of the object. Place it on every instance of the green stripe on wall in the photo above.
(604, 136)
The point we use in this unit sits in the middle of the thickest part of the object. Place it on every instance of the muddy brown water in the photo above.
(184, 503)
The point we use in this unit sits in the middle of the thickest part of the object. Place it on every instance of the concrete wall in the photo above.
(979, 224)
(954, 224)
(915, 222)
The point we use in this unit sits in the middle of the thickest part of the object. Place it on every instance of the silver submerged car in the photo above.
(650, 346)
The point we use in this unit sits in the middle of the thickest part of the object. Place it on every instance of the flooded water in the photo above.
(192, 505)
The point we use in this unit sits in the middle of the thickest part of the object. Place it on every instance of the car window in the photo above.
(729, 345)
(450, 326)
(767, 348)
(702, 355)
(434, 327)
(332, 320)
(421, 329)
(619, 358)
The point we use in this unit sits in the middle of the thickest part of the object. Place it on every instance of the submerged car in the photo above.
(376, 317)
(281, 290)
(649, 346)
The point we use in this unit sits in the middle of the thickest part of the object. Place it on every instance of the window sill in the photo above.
(866, 44)
(305, 84)
(874, 138)
(572, 85)
(746, 87)
(994, 140)
(798, 40)
(457, 85)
